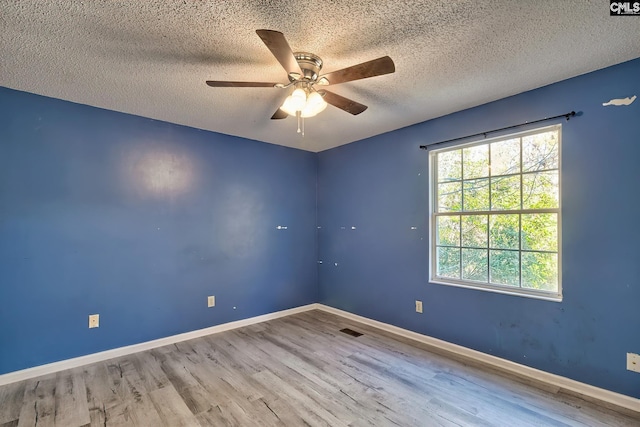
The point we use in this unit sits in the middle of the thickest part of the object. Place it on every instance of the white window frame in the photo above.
(503, 289)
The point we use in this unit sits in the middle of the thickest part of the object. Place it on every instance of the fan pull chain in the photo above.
(303, 126)
(298, 114)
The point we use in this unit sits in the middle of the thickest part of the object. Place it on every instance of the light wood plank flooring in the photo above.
(295, 371)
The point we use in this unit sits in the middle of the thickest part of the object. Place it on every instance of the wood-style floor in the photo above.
(295, 371)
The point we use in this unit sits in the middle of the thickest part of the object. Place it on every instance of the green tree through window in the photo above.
(496, 214)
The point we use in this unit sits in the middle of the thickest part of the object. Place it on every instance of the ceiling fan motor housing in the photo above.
(310, 65)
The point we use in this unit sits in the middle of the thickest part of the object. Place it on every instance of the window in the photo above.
(495, 214)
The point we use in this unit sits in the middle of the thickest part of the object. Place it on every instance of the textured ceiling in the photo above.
(151, 58)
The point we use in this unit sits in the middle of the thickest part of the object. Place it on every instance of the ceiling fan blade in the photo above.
(343, 103)
(214, 83)
(278, 45)
(376, 67)
(279, 114)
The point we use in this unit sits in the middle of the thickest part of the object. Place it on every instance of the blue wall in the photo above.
(139, 221)
(380, 186)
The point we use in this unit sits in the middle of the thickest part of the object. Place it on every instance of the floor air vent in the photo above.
(350, 332)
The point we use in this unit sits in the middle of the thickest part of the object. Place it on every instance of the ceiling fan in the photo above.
(303, 70)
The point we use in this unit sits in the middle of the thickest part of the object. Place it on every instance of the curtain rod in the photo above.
(566, 115)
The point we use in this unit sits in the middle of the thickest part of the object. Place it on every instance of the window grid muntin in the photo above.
(500, 176)
(517, 289)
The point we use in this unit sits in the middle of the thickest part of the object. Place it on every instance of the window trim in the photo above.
(501, 289)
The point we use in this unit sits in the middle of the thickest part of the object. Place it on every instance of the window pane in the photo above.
(450, 197)
(448, 231)
(450, 166)
(540, 232)
(540, 190)
(505, 267)
(474, 231)
(475, 265)
(475, 162)
(540, 271)
(505, 193)
(540, 151)
(449, 262)
(505, 157)
(476, 195)
(504, 231)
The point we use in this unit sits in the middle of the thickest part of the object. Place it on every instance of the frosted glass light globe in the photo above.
(298, 99)
(315, 104)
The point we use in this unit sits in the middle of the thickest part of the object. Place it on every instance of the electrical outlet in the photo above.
(418, 306)
(211, 301)
(94, 320)
(633, 362)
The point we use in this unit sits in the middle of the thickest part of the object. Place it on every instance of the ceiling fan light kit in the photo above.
(303, 72)
(303, 102)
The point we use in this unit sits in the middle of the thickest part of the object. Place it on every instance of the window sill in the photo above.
(507, 291)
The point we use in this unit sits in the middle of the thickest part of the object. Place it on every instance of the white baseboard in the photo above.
(517, 369)
(504, 365)
(50, 368)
